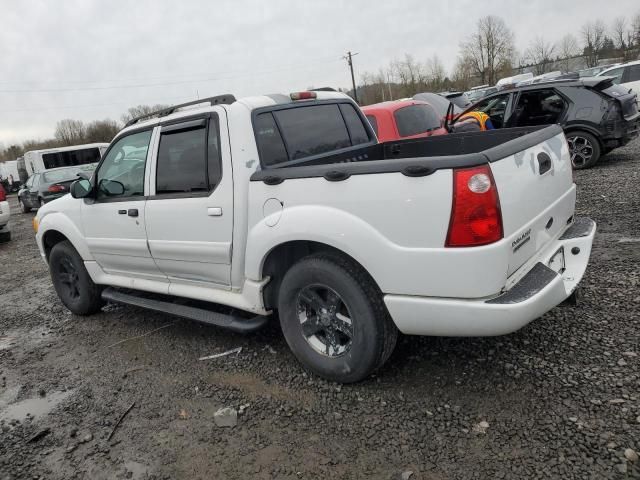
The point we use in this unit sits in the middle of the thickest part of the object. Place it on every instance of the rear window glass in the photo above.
(416, 119)
(354, 124)
(313, 130)
(61, 175)
(270, 142)
(374, 123)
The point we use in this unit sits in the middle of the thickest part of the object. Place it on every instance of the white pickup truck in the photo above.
(226, 211)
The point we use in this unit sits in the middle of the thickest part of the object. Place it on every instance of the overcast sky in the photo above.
(90, 60)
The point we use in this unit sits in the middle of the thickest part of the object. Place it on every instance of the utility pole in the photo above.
(348, 58)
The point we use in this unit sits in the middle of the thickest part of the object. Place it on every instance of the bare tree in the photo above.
(593, 36)
(140, 110)
(619, 30)
(490, 48)
(635, 30)
(69, 132)
(101, 131)
(435, 73)
(540, 54)
(568, 49)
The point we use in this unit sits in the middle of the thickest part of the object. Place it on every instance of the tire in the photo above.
(352, 334)
(5, 237)
(72, 282)
(23, 207)
(584, 149)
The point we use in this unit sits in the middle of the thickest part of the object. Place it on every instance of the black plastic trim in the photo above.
(184, 125)
(387, 157)
(582, 227)
(178, 306)
(535, 280)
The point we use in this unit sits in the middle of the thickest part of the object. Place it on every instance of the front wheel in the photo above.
(333, 318)
(584, 149)
(72, 281)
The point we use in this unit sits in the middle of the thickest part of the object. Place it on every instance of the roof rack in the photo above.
(226, 99)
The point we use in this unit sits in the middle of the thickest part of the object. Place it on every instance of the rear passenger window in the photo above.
(633, 73)
(300, 132)
(269, 140)
(415, 119)
(356, 129)
(313, 130)
(189, 159)
(373, 122)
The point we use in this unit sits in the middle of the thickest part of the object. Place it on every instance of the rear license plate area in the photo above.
(557, 261)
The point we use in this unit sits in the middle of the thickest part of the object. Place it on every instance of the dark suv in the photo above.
(596, 115)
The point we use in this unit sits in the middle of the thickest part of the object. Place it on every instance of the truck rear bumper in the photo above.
(542, 288)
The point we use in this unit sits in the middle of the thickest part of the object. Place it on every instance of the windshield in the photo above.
(439, 103)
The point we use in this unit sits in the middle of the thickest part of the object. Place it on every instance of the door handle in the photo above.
(214, 211)
(122, 212)
(132, 212)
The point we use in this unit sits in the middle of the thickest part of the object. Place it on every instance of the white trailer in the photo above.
(39, 160)
(9, 173)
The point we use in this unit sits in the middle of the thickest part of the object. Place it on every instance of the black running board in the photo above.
(234, 323)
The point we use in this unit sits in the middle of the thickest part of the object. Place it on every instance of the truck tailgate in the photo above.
(537, 195)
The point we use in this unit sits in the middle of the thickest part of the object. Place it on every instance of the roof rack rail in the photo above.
(226, 99)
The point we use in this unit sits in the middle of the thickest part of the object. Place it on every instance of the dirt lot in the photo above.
(559, 399)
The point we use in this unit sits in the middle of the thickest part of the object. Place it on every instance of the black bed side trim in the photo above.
(582, 226)
(535, 280)
(414, 166)
(403, 165)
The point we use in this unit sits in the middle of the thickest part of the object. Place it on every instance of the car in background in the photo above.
(627, 75)
(5, 213)
(46, 186)
(510, 82)
(596, 115)
(457, 98)
(403, 119)
(439, 103)
(479, 92)
(593, 71)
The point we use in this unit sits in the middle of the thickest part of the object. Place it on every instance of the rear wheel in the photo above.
(584, 149)
(72, 281)
(333, 318)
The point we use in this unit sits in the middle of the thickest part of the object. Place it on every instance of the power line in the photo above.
(147, 85)
(349, 58)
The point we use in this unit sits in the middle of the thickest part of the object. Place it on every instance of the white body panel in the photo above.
(190, 238)
(5, 213)
(214, 247)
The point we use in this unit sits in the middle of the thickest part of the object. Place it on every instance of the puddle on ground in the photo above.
(24, 338)
(37, 407)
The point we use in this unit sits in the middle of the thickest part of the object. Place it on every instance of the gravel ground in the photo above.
(558, 399)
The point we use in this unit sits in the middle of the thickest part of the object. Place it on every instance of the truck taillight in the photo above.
(303, 96)
(56, 188)
(475, 213)
(3, 194)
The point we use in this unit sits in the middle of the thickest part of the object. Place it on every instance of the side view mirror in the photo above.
(80, 188)
(111, 188)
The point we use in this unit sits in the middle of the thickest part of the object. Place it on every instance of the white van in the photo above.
(39, 160)
(9, 173)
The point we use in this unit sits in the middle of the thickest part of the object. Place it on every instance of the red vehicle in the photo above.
(403, 119)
